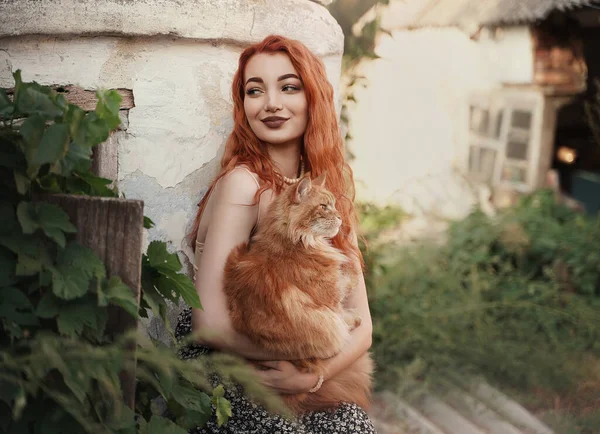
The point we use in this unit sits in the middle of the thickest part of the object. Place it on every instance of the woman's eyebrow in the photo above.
(283, 77)
(255, 79)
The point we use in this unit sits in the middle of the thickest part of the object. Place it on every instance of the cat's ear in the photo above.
(302, 189)
(320, 180)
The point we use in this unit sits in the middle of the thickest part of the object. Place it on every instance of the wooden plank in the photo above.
(85, 99)
(113, 229)
(105, 157)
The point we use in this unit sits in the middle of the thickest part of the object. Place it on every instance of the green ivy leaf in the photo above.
(49, 217)
(49, 183)
(78, 158)
(32, 100)
(75, 315)
(96, 130)
(182, 285)
(97, 186)
(160, 425)
(77, 379)
(157, 305)
(222, 405)
(69, 284)
(160, 258)
(8, 218)
(192, 399)
(108, 106)
(28, 266)
(76, 265)
(32, 131)
(165, 380)
(19, 404)
(16, 307)
(73, 118)
(22, 182)
(123, 421)
(184, 415)
(48, 306)
(8, 265)
(219, 391)
(27, 220)
(54, 144)
(8, 392)
(116, 292)
(148, 223)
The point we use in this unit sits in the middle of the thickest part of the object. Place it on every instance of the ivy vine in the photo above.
(59, 369)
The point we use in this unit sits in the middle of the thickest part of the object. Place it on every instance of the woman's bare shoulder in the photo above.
(240, 186)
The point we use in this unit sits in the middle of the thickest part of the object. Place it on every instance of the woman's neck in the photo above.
(286, 158)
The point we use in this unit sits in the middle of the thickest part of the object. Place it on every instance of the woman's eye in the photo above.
(289, 88)
(253, 91)
(323, 206)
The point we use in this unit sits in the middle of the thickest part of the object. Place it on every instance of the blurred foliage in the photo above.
(374, 222)
(357, 47)
(59, 368)
(514, 298)
(362, 45)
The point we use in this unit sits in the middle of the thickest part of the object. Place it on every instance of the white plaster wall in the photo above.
(409, 125)
(181, 88)
(178, 58)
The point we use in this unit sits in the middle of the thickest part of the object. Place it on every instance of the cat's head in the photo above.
(309, 210)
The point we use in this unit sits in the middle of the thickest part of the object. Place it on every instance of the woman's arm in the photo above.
(361, 337)
(232, 218)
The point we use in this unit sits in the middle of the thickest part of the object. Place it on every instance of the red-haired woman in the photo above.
(284, 124)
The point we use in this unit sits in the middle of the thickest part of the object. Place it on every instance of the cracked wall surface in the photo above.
(178, 58)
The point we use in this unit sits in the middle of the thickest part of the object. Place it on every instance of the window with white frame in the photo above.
(504, 138)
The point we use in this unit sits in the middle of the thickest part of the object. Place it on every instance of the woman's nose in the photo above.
(273, 102)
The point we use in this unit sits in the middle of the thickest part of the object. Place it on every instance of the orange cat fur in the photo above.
(285, 290)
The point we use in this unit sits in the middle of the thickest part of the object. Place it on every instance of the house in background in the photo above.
(470, 93)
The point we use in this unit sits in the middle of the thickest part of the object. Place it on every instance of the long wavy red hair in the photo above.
(323, 147)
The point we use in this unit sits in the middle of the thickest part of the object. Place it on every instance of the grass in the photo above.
(514, 298)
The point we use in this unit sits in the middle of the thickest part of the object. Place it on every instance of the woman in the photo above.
(285, 124)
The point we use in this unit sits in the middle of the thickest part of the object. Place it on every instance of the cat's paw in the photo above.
(352, 318)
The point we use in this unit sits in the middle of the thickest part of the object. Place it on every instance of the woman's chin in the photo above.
(277, 137)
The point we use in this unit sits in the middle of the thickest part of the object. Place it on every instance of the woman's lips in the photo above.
(274, 121)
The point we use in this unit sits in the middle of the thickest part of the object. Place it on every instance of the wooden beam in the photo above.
(113, 229)
(86, 99)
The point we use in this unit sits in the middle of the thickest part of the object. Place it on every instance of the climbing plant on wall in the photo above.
(59, 369)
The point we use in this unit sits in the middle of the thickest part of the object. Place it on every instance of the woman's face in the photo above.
(275, 102)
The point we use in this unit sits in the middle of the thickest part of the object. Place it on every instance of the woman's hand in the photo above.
(284, 378)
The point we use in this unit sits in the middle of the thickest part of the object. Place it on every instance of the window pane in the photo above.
(473, 159)
(480, 120)
(514, 174)
(516, 149)
(499, 118)
(487, 158)
(521, 119)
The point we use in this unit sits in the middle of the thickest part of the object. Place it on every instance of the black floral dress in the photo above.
(250, 418)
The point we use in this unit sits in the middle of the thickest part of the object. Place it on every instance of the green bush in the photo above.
(514, 298)
(59, 369)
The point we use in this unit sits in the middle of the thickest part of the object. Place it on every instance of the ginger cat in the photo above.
(285, 291)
